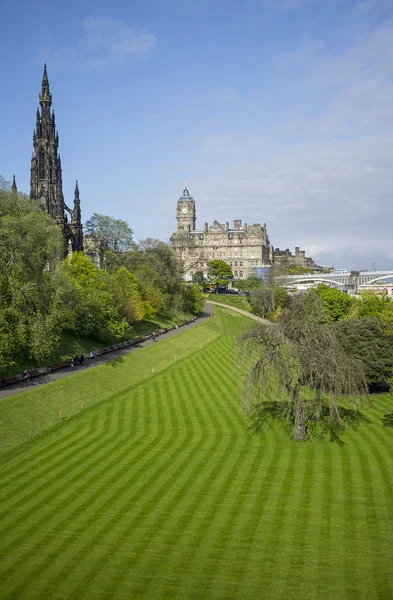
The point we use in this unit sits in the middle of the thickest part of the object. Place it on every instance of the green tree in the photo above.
(280, 296)
(96, 310)
(370, 304)
(152, 287)
(155, 265)
(293, 372)
(128, 295)
(219, 273)
(112, 234)
(386, 316)
(30, 244)
(369, 341)
(262, 301)
(193, 300)
(336, 302)
(160, 257)
(251, 283)
(240, 284)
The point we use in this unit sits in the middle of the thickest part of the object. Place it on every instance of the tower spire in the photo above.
(46, 184)
(45, 81)
(14, 188)
(45, 95)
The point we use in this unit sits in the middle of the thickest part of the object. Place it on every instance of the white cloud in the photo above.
(104, 41)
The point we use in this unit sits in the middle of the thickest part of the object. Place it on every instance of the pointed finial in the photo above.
(76, 191)
(186, 193)
(14, 188)
(45, 81)
(45, 95)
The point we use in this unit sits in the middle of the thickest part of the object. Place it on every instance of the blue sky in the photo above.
(272, 110)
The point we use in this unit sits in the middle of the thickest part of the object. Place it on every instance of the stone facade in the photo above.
(299, 259)
(46, 184)
(244, 247)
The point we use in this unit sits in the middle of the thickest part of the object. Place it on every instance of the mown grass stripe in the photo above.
(70, 511)
(190, 521)
(138, 554)
(144, 515)
(324, 518)
(178, 428)
(368, 524)
(69, 462)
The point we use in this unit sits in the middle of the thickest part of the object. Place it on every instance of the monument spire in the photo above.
(45, 95)
(46, 180)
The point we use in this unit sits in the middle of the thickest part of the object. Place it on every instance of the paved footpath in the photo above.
(242, 312)
(17, 388)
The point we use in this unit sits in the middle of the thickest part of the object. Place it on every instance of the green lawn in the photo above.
(159, 491)
(231, 300)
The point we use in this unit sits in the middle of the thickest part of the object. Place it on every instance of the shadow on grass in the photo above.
(387, 420)
(116, 362)
(319, 426)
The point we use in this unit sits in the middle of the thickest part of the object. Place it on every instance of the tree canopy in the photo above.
(336, 302)
(112, 234)
(369, 341)
(293, 372)
(219, 273)
(30, 247)
(251, 283)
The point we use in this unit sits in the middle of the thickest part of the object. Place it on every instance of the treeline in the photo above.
(42, 296)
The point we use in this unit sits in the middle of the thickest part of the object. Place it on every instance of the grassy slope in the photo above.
(72, 345)
(35, 411)
(162, 492)
(238, 301)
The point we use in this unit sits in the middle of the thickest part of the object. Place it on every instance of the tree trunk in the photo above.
(300, 429)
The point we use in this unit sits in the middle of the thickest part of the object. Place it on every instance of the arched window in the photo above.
(41, 165)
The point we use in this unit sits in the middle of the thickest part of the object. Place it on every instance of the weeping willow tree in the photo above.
(294, 373)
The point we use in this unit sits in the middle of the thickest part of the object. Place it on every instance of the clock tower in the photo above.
(186, 214)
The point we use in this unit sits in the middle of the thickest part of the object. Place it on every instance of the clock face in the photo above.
(184, 211)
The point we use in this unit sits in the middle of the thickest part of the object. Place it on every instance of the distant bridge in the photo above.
(342, 279)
